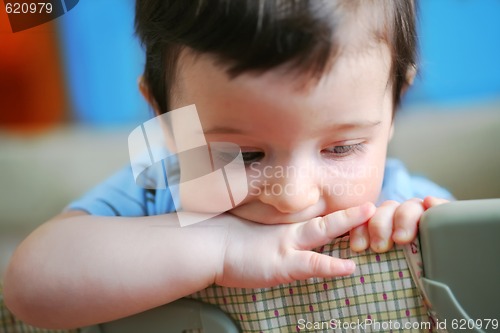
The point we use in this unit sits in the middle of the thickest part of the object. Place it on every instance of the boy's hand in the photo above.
(257, 255)
(393, 222)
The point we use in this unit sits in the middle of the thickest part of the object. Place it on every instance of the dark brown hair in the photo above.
(258, 35)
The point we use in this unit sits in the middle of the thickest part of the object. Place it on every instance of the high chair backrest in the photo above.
(182, 316)
(460, 244)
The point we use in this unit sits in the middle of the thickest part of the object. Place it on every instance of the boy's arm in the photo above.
(78, 269)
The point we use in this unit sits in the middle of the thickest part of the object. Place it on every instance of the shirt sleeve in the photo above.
(400, 185)
(120, 196)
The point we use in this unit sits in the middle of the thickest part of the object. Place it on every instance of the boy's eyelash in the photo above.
(334, 152)
(250, 157)
(343, 150)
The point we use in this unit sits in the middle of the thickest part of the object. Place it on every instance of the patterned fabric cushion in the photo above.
(380, 296)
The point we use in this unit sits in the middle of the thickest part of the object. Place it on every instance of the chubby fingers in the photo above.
(406, 220)
(380, 227)
(433, 201)
(393, 222)
(321, 230)
(359, 238)
(307, 264)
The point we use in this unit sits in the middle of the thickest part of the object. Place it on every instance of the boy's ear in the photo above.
(144, 89)
(411, 72)
(145, 92)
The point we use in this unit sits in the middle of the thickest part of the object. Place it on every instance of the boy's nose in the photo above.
(290, 195)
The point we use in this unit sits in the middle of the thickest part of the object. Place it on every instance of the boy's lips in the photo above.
(269, 215)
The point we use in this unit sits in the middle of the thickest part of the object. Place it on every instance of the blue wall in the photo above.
(460, 52)
(103, 60)
(459, 40)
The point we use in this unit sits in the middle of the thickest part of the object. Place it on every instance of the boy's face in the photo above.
(310, 149)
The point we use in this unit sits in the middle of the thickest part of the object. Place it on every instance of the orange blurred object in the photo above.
(32, 91)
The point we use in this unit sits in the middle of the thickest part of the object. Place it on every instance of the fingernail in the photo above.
(379, 246)
(367, 207)
(401, 235)
(349, 265)
(359, 244)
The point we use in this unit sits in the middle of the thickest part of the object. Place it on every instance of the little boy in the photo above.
(309, 87)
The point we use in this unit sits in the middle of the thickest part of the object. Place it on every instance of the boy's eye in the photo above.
(250, 157)
(343, 150)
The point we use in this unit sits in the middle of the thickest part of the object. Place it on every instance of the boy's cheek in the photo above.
(354, 190)
(216, 192)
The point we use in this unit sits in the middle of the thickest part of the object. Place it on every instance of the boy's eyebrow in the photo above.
(353, 125)
(336, 127)
(223, 130)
